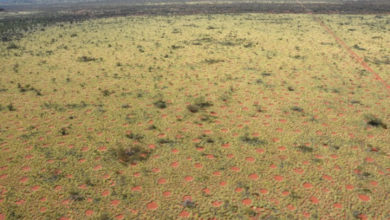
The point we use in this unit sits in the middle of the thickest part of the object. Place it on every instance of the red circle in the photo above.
(152, 205)
(364, 197)
(247, 201)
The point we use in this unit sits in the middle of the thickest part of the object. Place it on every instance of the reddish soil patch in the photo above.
(314, 200)
(279, 178)
(184, 214)
(364, 198)
(88, 212)
(247, 202)
(253, 176)
(162, 181)
(188, 178)
(307, 185)
(152, 205)
(115, 202)
(167, 194)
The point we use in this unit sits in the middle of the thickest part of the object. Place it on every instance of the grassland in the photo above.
(200, 116)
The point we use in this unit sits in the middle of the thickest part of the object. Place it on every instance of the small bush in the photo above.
(375, 122)
(77, 106)
(199, 104)
(132, 154)
(86, 59)
(305, 149)
(12, 46)
(297, 109)
(266, 74)
(160, 104)
(213, 61)
(193, 108)
(107, 92)
(11, 107)
(75, 196)
(255, 141)
(64, 131)
(357, 47)
(188, 204)
(136, 137)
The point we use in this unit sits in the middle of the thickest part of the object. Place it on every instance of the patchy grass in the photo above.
(233, 116)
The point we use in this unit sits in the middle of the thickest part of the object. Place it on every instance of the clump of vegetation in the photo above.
(132, 154)
(55, 106)
(375, 122)
(86, 59)
(136, 137)
(248, 45)
(294, 196)
(75, 196)
(213, 61)
(188, 204)
(254, 141)
(104, 216)
(305, 149)
(28, 87)
(335, 147)
(266, 74)
(357, 47)
(356, 102)
(208, 118)
(165, 141)
(160, 104)
(77, 106)
(259, 81)
(11, 107)
(64, 131)
(200, 104)
(259, 108)
(297, 109)
(175, 47)
(107, 92)
(12, 46)
(193, 108)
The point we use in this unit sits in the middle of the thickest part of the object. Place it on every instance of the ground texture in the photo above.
(201, 116)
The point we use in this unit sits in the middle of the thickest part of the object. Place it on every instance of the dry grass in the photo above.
(226, 116)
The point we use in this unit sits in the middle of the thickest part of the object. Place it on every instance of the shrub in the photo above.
(12, 46)
(86, 59)
(131, 154)
(375, 122)
(160, 104)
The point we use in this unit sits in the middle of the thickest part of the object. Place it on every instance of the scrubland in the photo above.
(233, 116)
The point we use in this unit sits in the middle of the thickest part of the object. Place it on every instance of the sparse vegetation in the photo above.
(191, 114)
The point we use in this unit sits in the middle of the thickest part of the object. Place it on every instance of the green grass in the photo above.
(226, 116)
